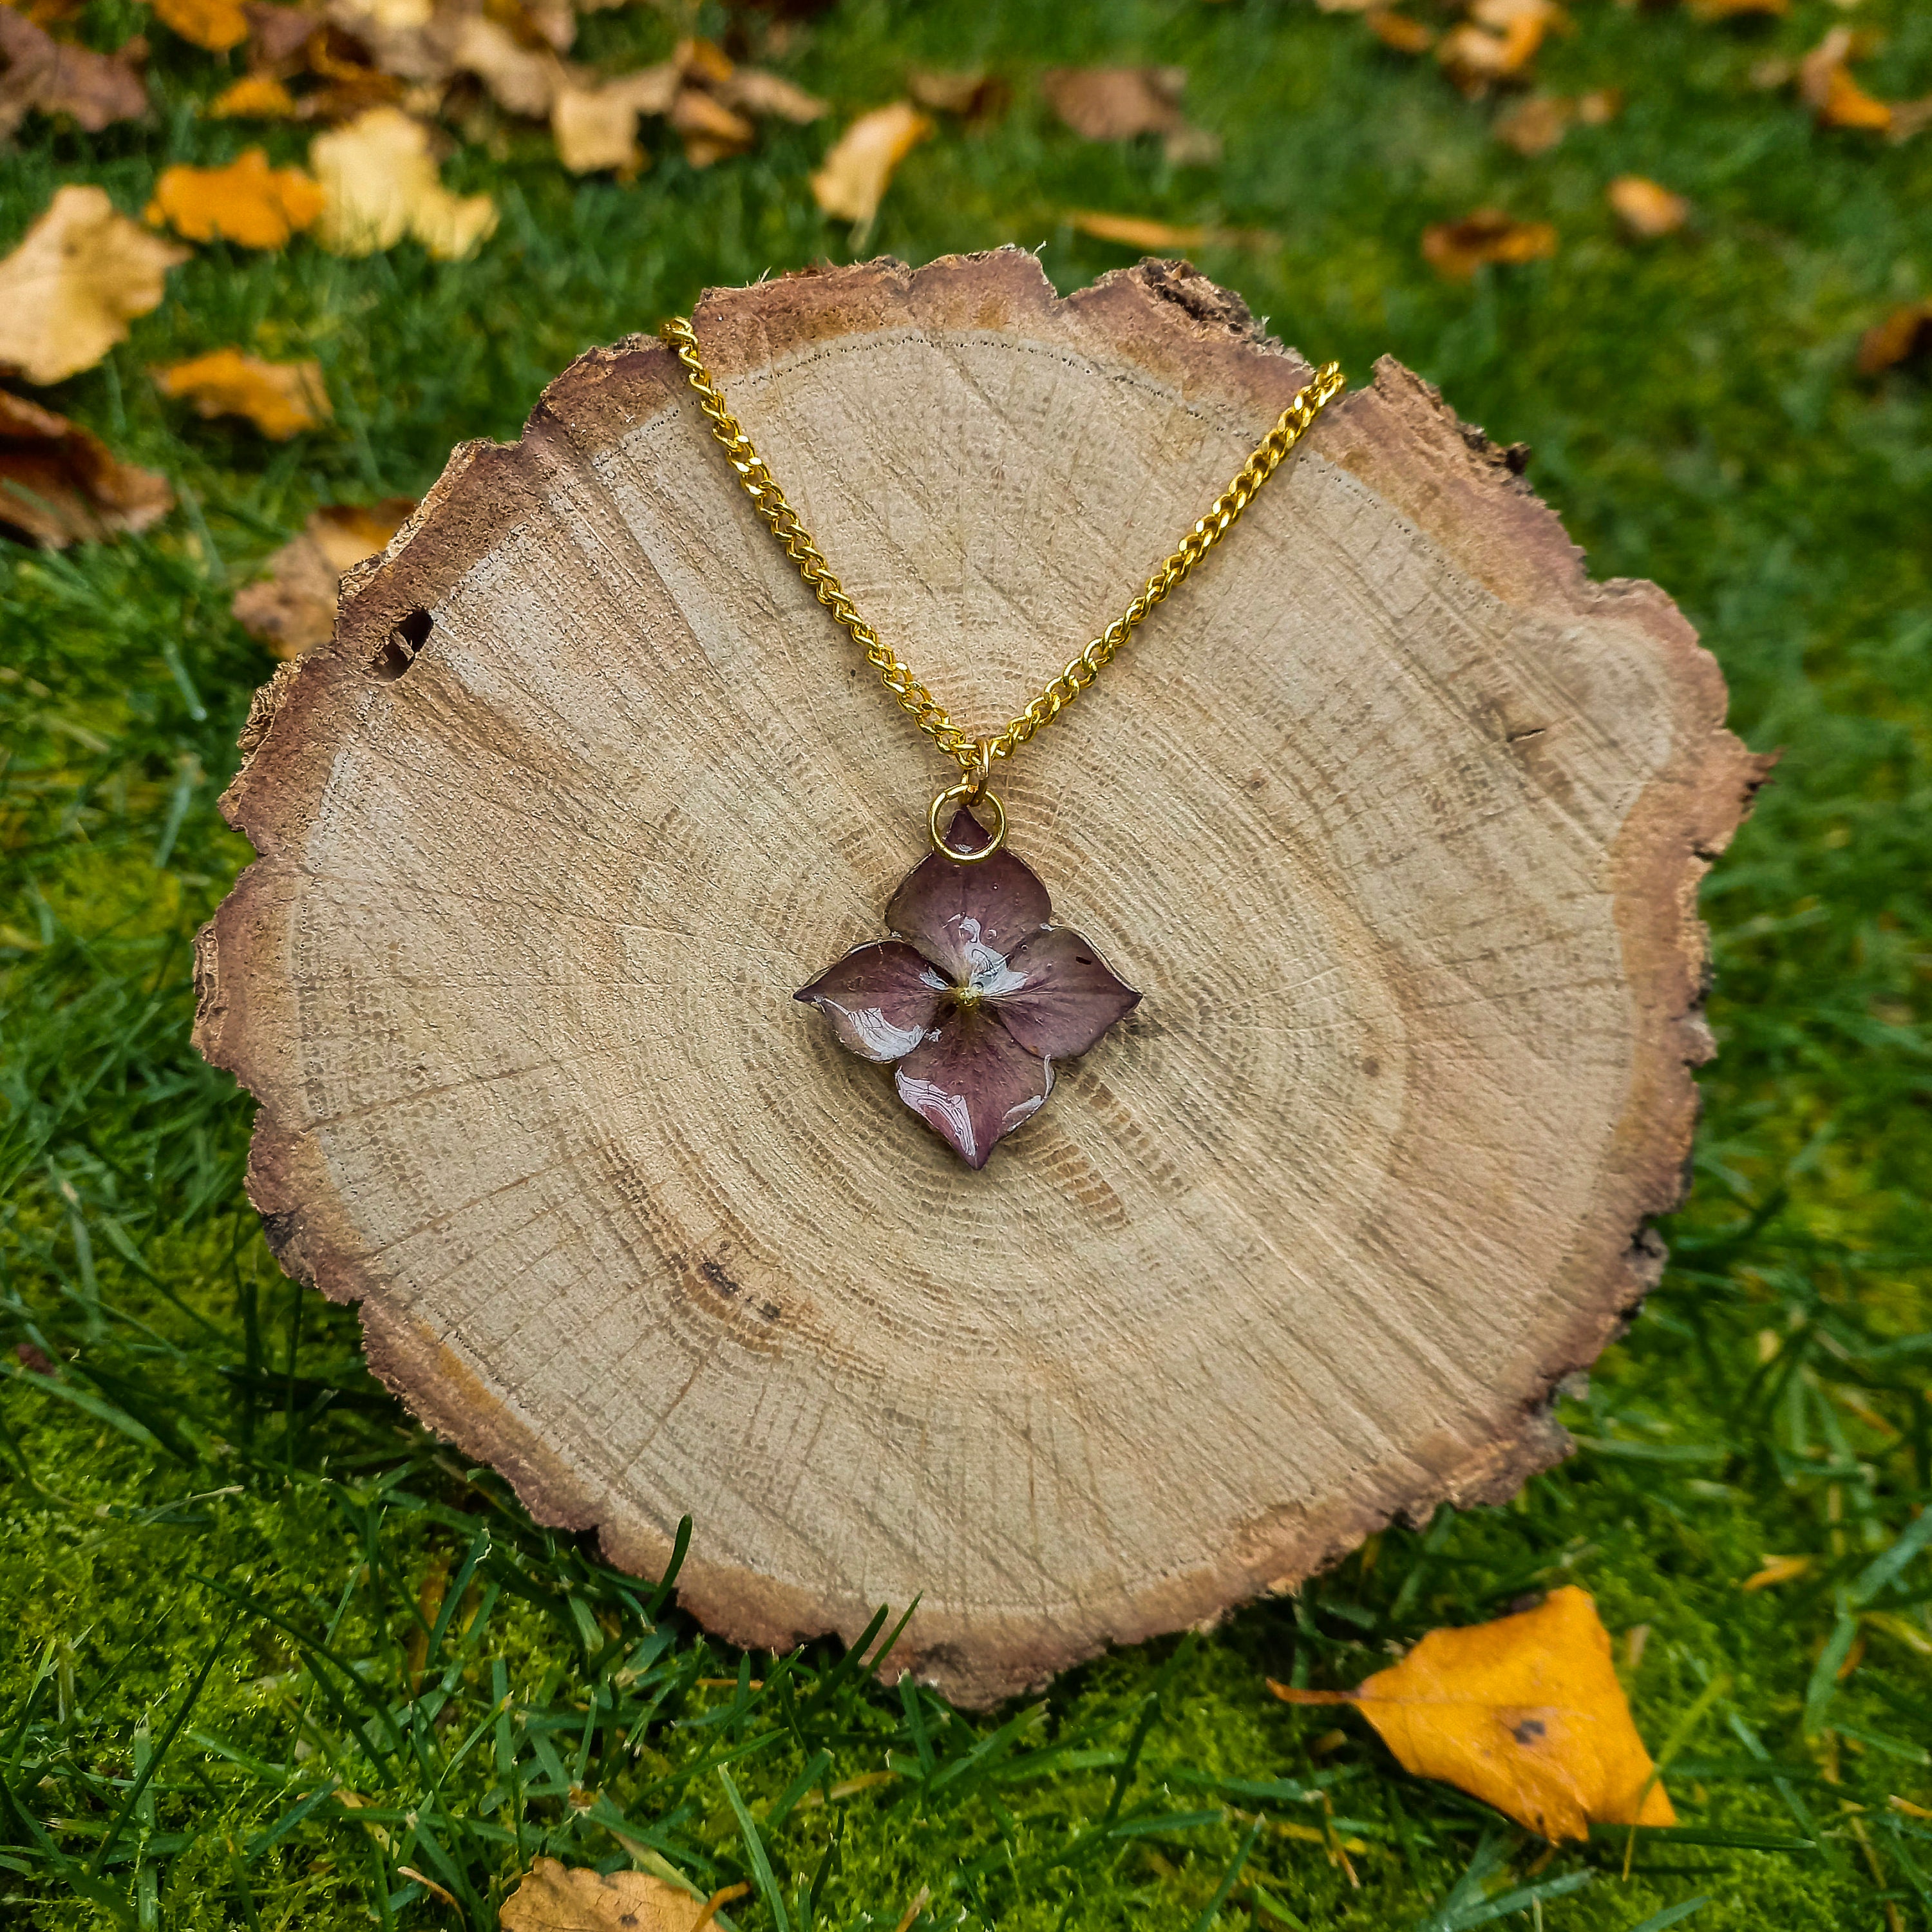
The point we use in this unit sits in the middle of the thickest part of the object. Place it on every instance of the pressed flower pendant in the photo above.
(977, 996)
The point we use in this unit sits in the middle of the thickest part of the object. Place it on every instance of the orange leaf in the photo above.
(1398, 30)
(1524, 1713)
(1645, 209)
(247, 202)
(1499, 39)
(68, 291)
(255, 97)
(59, 482)
(216, 25)
(292, 609)
(1903, 333)
(279, 398)
(1455, 249)
(1131, 231)
(1831, 93)
(853, 182)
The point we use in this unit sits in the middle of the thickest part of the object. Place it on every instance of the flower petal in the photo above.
(967, 918)
(972, 1081)
(1058, 996)
(882, 1000)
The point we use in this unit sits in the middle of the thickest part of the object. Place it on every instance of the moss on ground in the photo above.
(220, 1541)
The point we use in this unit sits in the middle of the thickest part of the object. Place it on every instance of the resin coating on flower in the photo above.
(977, 997)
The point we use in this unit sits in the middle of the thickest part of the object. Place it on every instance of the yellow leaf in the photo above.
(247, 202)
(279, 398)
(59, 482)
(1645, 209)
(1131, 231)
(853, 182)
(380, 183)
(68, 291)
(1455, 249)
(255, 97)
(1831, 93)
(216, 25)
(1398, 30)
(1777, 1569)
(292, 609)
(1524, 1713)
(559, 1898)
(596, 127)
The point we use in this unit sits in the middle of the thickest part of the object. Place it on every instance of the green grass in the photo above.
(269, 1651)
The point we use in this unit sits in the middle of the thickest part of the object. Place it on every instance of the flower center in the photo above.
(968, 996)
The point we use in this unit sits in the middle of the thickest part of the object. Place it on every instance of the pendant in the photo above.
(976, 996)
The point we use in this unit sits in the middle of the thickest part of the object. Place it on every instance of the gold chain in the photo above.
(975, 754)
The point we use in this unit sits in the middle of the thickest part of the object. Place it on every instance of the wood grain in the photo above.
(1397, 819)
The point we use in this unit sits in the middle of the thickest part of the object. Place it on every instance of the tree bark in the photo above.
(1394, 816)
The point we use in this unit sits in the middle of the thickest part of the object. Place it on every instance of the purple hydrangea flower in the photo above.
(977, 997)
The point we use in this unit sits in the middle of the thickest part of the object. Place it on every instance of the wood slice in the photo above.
(1395, 818)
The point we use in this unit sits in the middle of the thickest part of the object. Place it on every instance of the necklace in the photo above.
(977, 995)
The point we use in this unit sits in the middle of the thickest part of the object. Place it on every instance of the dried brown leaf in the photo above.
(853, 182)
(247, 202)
(1455, 249)
(558, 1898)
(281, 399)
(1132, 231)
(277, 33)
(522, 80)
(1644, 208)
(216, 25)
(255, 97)
(55, 77)
(711, 131)
(1536, 125)
(1904, 334)
(1730, 9)
(1117, 103)
(974, 95)
(68, 291)
(596, 127)
(1398, 31)
(380, 183)
(60, 484)
(753, 90)
(292, 609)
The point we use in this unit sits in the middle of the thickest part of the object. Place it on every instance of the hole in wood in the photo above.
(400, 648)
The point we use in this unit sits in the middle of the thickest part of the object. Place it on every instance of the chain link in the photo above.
(975, 754)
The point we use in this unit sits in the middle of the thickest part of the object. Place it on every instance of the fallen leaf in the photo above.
(380, 183)
(751, 90)
(1524, 1713)
(1777, 1569)
(1160, 237)
(1600, 106)
(1645, 209)
(1398, 30)
(292, 609)
(1831, 93)
(559, 1898)
(54, 76)
(68, 291)
(1455, 249)
(247, 202)
(60, 484)
(277, 33)
(522, 80)
(853, 182)
(1534, 126)
(280, 399)
(1116, 103)
(972, 94)
(255, 97)
(1730, 9)
(711, 131)
(1498, 41)
(216, 25)
(1903, 335)
(596, 127)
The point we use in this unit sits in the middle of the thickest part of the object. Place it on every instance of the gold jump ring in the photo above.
(964, 793)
